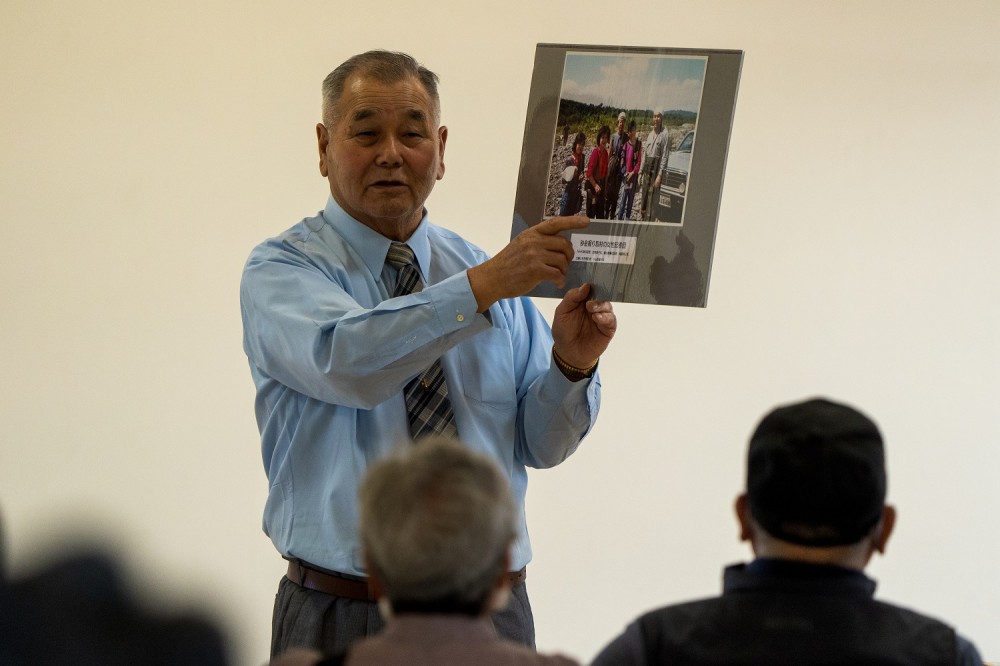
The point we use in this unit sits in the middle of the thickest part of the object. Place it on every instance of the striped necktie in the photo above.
(427, 404)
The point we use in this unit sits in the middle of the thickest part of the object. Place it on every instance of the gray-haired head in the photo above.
(386, 67)
(437, 522)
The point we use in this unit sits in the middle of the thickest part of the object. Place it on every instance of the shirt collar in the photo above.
(439, 627)
(772, 573)
(372, 246)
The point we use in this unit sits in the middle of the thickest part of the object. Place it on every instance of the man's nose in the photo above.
(389, 154)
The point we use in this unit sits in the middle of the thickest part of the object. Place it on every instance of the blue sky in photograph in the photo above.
(635, 81)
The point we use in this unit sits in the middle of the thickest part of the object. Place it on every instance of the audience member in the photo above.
(814, 513)
(78, 611)
(437, 524)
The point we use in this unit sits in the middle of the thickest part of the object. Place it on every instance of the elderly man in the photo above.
(655, 150)
(814, 513)
(367, 325)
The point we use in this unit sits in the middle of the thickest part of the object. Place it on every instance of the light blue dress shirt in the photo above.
(330, 352)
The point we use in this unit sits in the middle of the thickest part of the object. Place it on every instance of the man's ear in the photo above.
(742, 507)
(373, 581)
(501, 581)
(500, 595)
(884, 528)
(442, 138)
(322, 140)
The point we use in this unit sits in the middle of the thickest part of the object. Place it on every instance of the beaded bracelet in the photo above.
(573, 373)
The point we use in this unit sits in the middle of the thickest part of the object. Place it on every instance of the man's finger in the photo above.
(580, 293)
(548, 244)
(606, 322)
(554, 225)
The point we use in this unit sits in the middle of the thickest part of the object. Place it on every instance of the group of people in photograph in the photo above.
(603, 184)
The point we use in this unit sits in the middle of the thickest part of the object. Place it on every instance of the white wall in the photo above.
(148, 146)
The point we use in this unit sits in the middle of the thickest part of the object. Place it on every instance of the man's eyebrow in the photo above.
(411, 114)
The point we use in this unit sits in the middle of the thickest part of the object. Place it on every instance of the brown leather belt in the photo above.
(338, 585)
(353, 587)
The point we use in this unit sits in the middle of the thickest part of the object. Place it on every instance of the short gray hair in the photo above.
(385, 67)
(437, 522)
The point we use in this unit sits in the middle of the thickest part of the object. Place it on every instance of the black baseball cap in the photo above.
(816, 473)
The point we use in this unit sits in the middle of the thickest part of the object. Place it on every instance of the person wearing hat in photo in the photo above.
(814, 513)
(616, 162)
(655, 152)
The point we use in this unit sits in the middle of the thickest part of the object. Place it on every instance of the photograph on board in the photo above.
(625, 136)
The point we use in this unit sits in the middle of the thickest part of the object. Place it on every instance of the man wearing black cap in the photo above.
(814, 512)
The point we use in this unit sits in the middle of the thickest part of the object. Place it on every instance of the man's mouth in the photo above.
(381, 184)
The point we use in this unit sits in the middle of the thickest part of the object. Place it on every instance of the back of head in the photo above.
(385, 67)
(79, 611)
(436, 524)
(816, 474)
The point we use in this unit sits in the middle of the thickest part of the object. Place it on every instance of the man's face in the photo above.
(657, 122)
(621, 125)
(382, 153)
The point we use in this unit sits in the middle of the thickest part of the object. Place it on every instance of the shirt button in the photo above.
(460, 317)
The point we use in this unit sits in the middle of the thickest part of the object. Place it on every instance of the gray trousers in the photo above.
(311, 619)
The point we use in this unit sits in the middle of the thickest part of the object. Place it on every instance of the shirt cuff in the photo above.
(455, 304)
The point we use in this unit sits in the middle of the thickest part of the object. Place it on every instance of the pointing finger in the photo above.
(554, 225)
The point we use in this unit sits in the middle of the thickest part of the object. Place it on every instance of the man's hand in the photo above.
(582, 329)
(534, 255)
